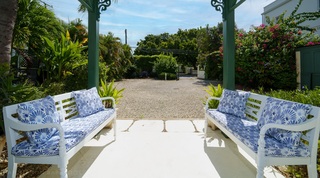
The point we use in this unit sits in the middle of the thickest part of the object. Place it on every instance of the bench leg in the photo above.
(12, 167)
(205, 128)
(260, 169)
(114, 126)
(213, 127)
(312, 171)
(63, 170)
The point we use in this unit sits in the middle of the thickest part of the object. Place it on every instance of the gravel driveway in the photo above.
(160, 99)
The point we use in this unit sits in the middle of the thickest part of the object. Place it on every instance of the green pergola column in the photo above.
(227, 8)
(94, 8)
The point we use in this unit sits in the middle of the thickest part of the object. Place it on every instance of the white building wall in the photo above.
(276, 8)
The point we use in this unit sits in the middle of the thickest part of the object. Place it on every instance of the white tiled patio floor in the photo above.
(158, 149)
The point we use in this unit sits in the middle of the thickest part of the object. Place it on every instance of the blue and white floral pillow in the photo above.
(88, 102)
(233, 102)
(287, 113)
(41, 111)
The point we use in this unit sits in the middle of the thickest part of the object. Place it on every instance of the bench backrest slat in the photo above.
(254, 103)
(65, 103)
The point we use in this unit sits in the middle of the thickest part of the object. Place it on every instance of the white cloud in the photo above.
(142, 17)
(147, 15)
(105, 23)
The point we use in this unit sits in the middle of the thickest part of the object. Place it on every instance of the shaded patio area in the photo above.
(160, 149)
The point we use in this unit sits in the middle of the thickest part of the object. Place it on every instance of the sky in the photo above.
(143, 17)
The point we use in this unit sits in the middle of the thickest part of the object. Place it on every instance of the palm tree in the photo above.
(34, 21)
(117, 56)
(8, 11)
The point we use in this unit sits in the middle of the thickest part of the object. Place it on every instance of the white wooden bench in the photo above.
(69, 137)
(241, 131)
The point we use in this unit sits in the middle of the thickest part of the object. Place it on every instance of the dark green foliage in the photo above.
(34, 21)
(149, 64)
(117, 56)
(213, 65)
(209, 41)
(144, 63)
(11, 93)
(79, 78)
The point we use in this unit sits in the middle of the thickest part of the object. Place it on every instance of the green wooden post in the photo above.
(93, 46)
(228, 46)
(227, 8)
(94, 7)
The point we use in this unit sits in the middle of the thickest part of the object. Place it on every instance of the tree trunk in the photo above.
(8, 14)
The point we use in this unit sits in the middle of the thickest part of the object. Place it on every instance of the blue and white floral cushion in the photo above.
(41, 111)
(88, 102)
(233, 102)
(75, 130)
(287, 113)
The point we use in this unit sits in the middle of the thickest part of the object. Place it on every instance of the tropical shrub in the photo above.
(60, 57)
(110, 90)
(165, 64)
(213, 69)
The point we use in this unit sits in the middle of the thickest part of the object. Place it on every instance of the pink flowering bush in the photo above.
(265, 56)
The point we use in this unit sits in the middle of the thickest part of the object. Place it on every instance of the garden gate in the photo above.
(308, 66)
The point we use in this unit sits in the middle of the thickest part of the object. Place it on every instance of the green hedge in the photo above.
(145, 63)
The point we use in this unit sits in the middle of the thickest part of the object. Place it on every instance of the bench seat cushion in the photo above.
(75, 131)
(247, 132)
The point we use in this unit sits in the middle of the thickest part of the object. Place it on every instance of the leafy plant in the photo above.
(60, 57)
(214, 92)
(106, 90)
